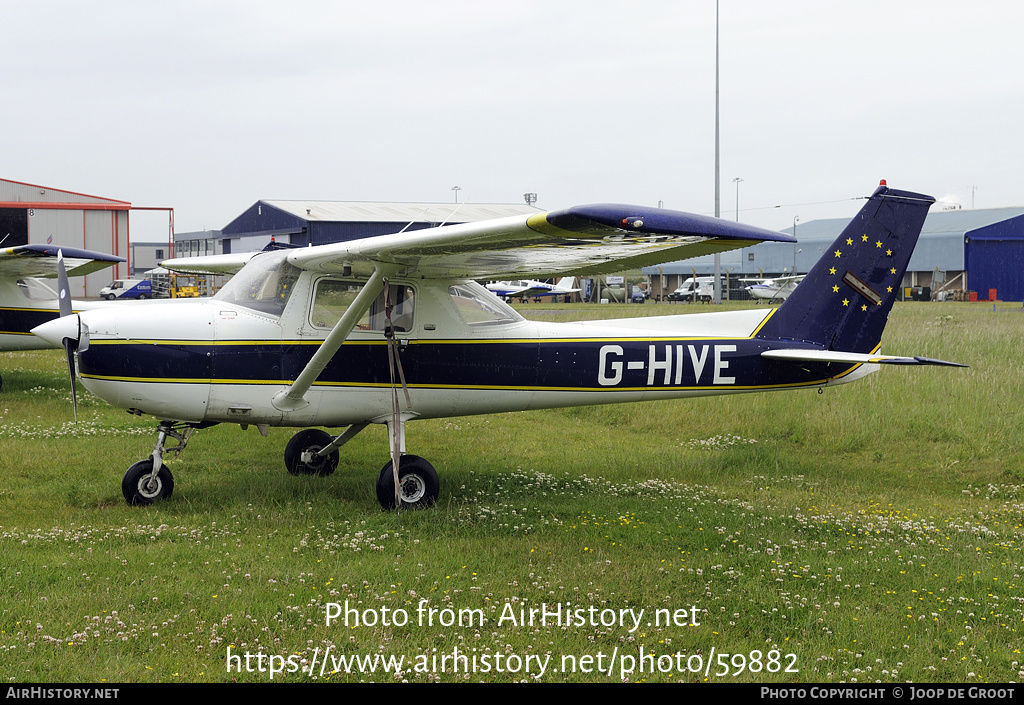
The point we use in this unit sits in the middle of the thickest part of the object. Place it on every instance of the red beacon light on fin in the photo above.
(882, 183)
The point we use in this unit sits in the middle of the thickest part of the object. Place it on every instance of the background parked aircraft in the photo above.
(529, 288)
(775, 289)
(26, 301)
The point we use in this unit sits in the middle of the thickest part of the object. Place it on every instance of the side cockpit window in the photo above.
(333, 297)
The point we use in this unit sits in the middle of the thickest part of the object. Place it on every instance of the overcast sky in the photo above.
(209, 106)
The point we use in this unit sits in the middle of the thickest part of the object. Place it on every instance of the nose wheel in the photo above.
(140, 486)
(149, 480)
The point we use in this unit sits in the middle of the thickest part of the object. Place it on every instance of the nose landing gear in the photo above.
(149, 480)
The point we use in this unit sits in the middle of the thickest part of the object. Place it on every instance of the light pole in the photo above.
(718, 185)
(456, 189)
(795, 219)
(737, 181)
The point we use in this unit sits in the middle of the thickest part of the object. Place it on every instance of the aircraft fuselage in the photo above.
(327, 335)
(216, 362)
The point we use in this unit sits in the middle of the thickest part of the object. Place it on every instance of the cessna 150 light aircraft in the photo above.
(775, 289)
(392, 328)
(25, 300)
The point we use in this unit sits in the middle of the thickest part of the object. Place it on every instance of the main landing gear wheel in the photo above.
(139, 488)
(309, 442)
(418, 485)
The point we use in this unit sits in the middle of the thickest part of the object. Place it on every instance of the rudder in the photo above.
(844, 301)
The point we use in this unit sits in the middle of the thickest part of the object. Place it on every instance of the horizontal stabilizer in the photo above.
(852, 358)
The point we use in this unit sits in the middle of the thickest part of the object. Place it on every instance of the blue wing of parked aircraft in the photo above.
(41, 261)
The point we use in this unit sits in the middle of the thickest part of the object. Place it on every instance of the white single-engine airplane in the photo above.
(25, 300)
(392, 328)
(529, 288)
(776, 289)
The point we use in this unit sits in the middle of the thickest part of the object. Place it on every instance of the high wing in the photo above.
(228, 264)
(583, 240)
(209, 264)
(41, 261)
(595, 239)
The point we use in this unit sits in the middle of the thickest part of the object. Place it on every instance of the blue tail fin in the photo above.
(844, 301)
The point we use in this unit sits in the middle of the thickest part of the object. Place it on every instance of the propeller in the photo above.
(70, 344)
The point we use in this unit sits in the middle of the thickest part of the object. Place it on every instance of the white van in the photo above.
(699, 288)
(127, 289)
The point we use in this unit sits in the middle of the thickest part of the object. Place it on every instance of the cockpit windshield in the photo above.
(264, 284)
(479, 307)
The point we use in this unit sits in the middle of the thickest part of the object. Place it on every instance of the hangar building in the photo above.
(967, 250)
(321, 222)
(40, 215)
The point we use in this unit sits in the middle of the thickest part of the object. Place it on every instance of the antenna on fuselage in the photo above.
(413, 221)
(443, 222)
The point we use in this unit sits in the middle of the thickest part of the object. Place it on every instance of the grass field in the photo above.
(869, 533)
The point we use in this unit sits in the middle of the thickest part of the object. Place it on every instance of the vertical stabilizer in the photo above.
(844, 301)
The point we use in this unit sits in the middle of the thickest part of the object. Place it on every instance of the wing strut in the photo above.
(397, 424)
(293, 398)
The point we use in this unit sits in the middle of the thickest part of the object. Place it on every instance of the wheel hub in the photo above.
(149, 486)
(412, 489)
(314, 461)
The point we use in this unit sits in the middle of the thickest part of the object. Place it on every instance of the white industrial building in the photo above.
(40, 215)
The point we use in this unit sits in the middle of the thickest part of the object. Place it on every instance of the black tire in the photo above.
(142, 297)
(110, 297)
(417, 481)
(312, 439)
(138, 492)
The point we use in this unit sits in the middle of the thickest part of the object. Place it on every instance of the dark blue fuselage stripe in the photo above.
(577, 364)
